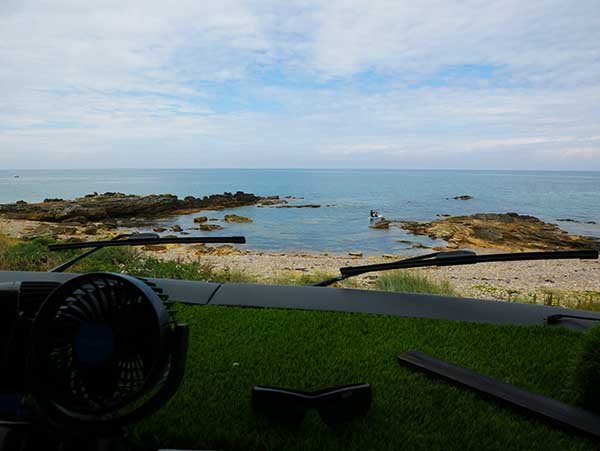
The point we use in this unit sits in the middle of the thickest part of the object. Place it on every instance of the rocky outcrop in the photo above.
(576, 221)
(210, 227)
(463, 197)
(236, 218)
(299, 206)
(508, 231)
(225, 249)
(272, 200)
(200, 219)
(99, 207)
(381, 224)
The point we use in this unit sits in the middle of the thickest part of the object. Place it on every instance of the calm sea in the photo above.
(342, 226)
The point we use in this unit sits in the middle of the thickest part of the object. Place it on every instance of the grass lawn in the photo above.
(412, 282)
(233, 348)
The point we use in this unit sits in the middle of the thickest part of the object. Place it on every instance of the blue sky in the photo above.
(389, 84)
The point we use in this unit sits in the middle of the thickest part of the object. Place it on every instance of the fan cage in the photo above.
(127, 362)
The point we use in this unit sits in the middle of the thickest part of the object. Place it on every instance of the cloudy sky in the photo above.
(399, 83)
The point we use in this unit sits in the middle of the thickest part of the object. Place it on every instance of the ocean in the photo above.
(346, 196)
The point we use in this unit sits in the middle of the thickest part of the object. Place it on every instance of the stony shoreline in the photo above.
(519, 281)
(521, 276)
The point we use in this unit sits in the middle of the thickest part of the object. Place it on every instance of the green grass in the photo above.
(412, 282)
(34, 256)
(232, 348)
(586, 376)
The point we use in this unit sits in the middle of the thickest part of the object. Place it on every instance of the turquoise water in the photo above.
(343, 226)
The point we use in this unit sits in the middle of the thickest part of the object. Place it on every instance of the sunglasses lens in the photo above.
(278, 405)
(345, 405)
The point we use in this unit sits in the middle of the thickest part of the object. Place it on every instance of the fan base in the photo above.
(23, 436)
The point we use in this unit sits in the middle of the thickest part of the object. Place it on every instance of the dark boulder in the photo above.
(210, 227)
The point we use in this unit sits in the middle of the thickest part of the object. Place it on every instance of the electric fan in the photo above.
(104, 352)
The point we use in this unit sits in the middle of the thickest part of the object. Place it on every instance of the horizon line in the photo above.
(292, 169)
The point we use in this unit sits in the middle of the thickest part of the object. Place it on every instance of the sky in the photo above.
(307, 84)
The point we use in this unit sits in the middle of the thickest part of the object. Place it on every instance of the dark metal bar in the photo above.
(548, 409)
(66, 265)
(149, 242)
(554, 319)
(469, 260)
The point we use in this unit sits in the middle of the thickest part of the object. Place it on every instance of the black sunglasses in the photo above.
(335, 405)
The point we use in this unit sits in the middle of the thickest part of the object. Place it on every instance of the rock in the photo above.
(213, 219)
(389, 256)
(200, 219)
(443, 215)
(508, 231)
(61, 230)
(591, 222)
(176, 228)
(155, 248)
(273, 200)
(355, 254)
(226, 249)
(419, 246)
(299, 206)
(159, 229)
(381, 224)
(210, 227)
(236, 218)
(91, 230)
(53, 200)
(463, 197)
(111, 206)
(567, 220)
(76, 220)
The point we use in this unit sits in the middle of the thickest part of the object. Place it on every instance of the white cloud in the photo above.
(379, 83)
